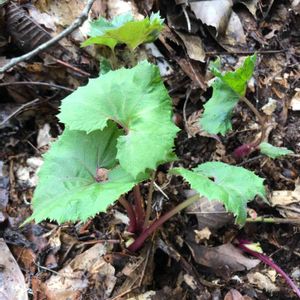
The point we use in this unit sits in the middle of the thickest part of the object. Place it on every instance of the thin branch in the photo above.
(2, 84)
(18, 110)
(77, 23)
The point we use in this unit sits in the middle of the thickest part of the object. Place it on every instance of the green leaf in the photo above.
(124, 29)
(227, 89)
(138, 101)
(233, 186)
(68, 189)
(272, 151)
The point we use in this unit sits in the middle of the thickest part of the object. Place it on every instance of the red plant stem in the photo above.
(138, 243)
(139, 208)
(132, 227)
(272, 264)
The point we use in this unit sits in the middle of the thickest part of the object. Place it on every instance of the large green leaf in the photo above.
(68, 188)
(227, 89)
(124, 29)
(138, 101)
(273, 151)
(233, 186)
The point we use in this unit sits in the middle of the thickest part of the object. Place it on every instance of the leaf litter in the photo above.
(276, 79)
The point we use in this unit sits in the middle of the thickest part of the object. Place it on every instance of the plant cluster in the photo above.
(119, 129)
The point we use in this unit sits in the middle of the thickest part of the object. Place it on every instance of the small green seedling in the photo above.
(118, 130)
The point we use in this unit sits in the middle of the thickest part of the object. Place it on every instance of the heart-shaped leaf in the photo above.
(80, 176)
(137, 100)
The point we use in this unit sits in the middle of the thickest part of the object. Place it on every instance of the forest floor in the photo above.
(194, 255)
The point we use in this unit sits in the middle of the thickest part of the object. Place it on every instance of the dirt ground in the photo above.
(194, 255)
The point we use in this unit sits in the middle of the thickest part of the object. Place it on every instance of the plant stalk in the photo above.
(139, 208)
(259, 117)
(132, 227)
(265, 259)
(138, 243)
(274, 220)
(149, 200)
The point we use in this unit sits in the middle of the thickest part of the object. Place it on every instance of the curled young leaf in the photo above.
(123, 29)
(272, 151)
(227, 89)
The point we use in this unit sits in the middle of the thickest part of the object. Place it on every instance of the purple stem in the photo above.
(138, 243)
(139, 208)
(267, 260)
(132, 227)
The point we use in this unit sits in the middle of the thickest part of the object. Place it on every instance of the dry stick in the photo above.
(2, 84)
(211, 53)
(274, 220)
(18, 110)
(77, 23)
(149, 200)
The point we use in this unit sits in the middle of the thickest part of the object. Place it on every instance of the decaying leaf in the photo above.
(219, 14)
(286, 197)
(225, 258)
(211, 214)
(295, 103)
(194, 46)
(73, 280)
(11, 278)
(262, 281)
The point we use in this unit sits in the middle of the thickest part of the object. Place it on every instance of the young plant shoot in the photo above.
(119, 129)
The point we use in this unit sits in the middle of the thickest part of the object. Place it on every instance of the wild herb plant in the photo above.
(119, 129)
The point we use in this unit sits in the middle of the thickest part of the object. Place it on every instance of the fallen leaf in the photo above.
(193, 45)
(219, 14)
(295, 102)
(263, 282)
(233, 295)
(284, 198)
(72, 281)
(12, 285)
(210, 214)
(203, 234)
(270, 107)
(221, 259)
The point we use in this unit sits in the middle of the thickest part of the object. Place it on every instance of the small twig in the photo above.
(187, 18)
(160, 190)
(187, 97)
(18, 110)
(67, 65)
(212, 53)
(2, 84)
(274, 220)
(77, 23)
(149, 200)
